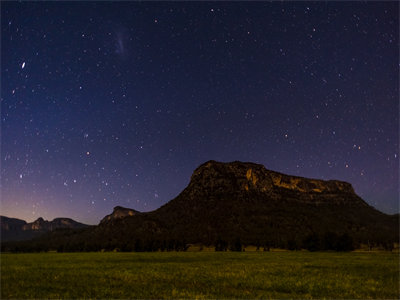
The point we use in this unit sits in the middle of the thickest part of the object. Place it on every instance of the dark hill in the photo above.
(15, 229)
(249, 201)
(231, 201)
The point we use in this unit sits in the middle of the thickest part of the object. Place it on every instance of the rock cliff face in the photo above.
(248, 180)
(240, 200)
(44, 225)
(15, 229)
(38, 224)
(247, 201)
(250, 176)
(251, 202)
(119, 212)
(9, 224)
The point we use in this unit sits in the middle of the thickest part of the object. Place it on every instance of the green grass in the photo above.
(200, 275)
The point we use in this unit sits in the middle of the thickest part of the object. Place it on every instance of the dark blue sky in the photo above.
(106, 104)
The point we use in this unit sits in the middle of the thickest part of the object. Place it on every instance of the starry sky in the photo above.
(106, 104)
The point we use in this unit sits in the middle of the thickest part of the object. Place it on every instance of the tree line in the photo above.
(60, 242)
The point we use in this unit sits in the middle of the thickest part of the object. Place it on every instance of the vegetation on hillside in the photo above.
(229, 202)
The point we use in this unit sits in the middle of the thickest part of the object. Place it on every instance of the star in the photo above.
(93, 120)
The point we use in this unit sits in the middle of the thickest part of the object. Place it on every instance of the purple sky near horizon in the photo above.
(106, 104)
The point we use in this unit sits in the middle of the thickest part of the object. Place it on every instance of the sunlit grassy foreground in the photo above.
(200, 275)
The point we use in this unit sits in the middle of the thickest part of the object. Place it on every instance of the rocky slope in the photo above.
(119, 212)
(16, 229)
(237, 200)
(247, 201)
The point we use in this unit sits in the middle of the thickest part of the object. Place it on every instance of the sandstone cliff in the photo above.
(119, 212)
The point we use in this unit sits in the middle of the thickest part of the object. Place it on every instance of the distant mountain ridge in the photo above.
(13, 229)
(239, 201)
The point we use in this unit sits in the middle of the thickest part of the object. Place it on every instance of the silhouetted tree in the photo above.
(221, 245)
(388, 246)
(236, 245)
(138, 245)
(170, 245)
(258, 244)
(311, 242)
(163, 245)
(345, 243)
(329, 241)
(292, 244)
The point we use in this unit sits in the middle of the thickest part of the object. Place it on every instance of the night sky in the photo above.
(106, 104)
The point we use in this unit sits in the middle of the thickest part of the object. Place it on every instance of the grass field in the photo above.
(200, 275)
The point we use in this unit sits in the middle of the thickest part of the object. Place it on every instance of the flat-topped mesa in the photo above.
(251, 176)
(119, 212)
